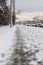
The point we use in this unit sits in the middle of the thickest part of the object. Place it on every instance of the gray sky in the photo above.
(29, 5)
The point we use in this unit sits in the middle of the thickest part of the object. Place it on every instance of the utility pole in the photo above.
(14, 6)
(10, 13)
(12, 10)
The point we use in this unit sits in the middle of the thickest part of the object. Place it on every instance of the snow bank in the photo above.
(7, 37)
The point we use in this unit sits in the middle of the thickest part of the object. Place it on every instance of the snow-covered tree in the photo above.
(3, 4)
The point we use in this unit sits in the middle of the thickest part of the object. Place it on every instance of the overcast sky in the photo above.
(29, 5)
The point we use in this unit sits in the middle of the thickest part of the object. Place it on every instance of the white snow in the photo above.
(33, 37)
(7, 38)
(33, 63)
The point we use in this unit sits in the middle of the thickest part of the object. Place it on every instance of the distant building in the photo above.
(38, 19)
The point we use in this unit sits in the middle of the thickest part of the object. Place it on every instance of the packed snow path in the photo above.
(21, 57)
(26, 51)
(29, 49)
(21, 45)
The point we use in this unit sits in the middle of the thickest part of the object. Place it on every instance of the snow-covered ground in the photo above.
(33, 40)
(7, 37)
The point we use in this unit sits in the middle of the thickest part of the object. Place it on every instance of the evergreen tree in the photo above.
(6, 15)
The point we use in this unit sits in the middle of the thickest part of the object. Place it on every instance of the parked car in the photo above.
(39, 25)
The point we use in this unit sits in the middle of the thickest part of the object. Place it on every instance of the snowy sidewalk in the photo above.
(7, 41)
